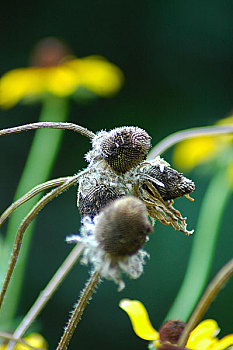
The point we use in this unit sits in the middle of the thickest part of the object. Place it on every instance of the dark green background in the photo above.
(177, 57)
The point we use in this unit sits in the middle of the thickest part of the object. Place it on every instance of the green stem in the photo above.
(203, 249)
(37, 169)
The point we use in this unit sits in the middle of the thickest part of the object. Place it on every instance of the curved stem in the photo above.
(212, 290)
(38, 166)
(48, 125)
(178, 136)
(78, 310)
(26, 222)
(46, 294)
(203, 248)
(30, 194)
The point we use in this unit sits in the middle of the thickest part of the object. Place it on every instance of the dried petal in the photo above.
(159, 209)
(174, 183)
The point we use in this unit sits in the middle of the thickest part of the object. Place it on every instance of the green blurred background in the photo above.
(177, 57)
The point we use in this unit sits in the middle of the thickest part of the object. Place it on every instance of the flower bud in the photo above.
(95, 199)
(123, 227)
(175, 184)
(171, 331)
(125, 147)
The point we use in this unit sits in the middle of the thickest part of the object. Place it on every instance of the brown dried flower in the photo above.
(125, 147)
(95, 199)
(113, 239)
(175, 184)
(157, 185)
(123, 227)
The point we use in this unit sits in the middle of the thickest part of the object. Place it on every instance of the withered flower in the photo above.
(111, 244)
(158, 185)
(94, 198)
(117, 159)
(121, 148)
(174, 183)
(113, 232)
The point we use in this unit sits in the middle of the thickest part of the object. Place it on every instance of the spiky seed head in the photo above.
(125, 147)
(171, 331)
(175, 184)
(96, 199)
(123, 227)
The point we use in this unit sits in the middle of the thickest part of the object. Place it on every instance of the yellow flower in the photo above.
(93, 73)
(203, 337)
(197, 150)
(34, 339)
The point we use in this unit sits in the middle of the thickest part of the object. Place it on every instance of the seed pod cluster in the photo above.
(125, 147)
(123, 227)
(174, 183)
(97, 197)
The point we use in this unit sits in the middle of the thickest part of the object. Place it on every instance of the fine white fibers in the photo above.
(96, 151)
(109, 267)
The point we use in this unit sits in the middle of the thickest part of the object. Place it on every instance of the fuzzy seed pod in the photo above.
(125, 147)
(97, 198)
(123, 227)
(171, 331)
(175, 184)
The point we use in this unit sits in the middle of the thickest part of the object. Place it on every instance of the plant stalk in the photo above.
(212, 290)
(37, 169)
(203, 249)
(78, 310)
(46, 294)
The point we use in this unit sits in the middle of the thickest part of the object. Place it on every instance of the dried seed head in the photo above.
(95, 199)
(125, 147)
(112, 239)
(175, 184)
(171, 331)
(123, 226)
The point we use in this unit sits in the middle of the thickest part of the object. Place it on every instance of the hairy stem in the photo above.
(78, 311)
(48, 125)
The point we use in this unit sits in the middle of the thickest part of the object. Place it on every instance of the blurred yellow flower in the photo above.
(197, 150)
(34, 339)
(203, 337)
(93, 73)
